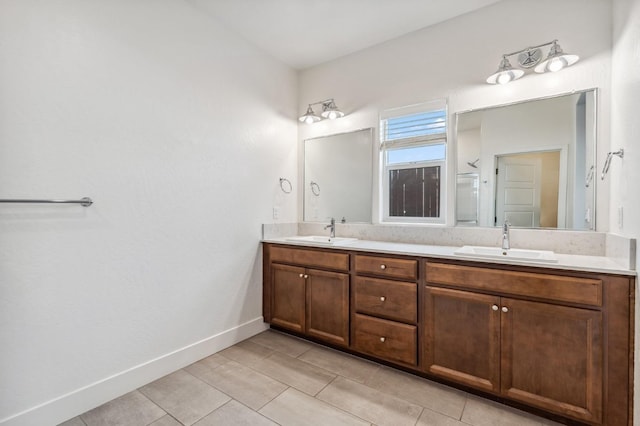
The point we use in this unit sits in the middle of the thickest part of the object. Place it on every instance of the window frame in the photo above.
(413, 142)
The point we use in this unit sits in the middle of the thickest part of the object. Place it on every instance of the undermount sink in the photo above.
(509, 254)
(320, 239)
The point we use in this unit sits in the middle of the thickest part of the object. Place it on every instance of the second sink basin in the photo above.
(512, 254)
(324, 240)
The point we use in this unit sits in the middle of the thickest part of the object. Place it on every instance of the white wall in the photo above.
(624, 174)
(454, 58)
(179, 131)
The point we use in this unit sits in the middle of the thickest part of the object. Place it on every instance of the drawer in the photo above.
(310, 258)
(387, 267)
(386, 339)
(390, 299)
(559, 288)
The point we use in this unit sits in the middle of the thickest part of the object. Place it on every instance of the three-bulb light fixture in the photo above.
(530, 57)
(329, 110)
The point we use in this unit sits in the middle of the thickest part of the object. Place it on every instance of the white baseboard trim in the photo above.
(77, 402)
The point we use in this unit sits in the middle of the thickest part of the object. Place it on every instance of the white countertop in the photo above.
(565, 261)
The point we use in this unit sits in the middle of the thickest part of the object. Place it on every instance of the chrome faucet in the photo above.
(332, 226)
(506, 245)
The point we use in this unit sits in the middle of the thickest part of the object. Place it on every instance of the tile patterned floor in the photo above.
(276, 379)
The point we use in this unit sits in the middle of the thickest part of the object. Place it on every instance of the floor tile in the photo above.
(431, 418)
(246, 352)
(345, 365)
(281, 342)
(235, 414)
(206, 364)
(251, 388)
(184, 396)
(293, 407)
(370, 404)
(76, 421)
(128, 410)
(481, 412)
(293, 372)
(417, 390)
(166, 421)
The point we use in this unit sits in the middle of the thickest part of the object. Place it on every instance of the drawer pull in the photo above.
(382, 298)
(495, 307)
(382, 339)
(505, 309)
(383, 266)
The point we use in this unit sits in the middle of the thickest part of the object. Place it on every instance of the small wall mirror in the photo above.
(338, 177)
(531, 164)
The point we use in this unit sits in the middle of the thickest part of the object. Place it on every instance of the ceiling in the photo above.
(305, 33)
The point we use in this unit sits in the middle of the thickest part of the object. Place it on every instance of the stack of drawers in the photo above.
(385, 301)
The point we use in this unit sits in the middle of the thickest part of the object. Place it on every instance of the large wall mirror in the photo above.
(531, 164)
(338, 177)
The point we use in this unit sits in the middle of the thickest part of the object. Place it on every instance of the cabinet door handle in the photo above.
(382, 298)
(505, 309)
(495, 307)
(301, 275)
(383, 266)
(306, 276)
(382, 339)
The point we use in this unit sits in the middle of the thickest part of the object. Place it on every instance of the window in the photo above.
(414, 147)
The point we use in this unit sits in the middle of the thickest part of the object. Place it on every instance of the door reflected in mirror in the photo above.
(338, 177)
(528, 164)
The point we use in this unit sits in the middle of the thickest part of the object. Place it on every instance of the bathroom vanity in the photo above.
(556, 338)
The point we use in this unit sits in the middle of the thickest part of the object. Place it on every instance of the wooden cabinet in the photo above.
(462, 337)
(327, 313)
(553, 340)
(543, 354)
(306, 300)
(288, 297)
(551, 357)
(385, 319)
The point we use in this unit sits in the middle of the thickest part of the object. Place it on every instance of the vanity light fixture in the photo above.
(329, 110)
(530, 57)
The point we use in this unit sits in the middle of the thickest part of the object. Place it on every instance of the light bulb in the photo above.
(504, 78)
(332, 115)
(308, 119)
(556, 64)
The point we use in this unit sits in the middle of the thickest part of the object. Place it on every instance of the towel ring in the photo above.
(284, 184)
(315, 188)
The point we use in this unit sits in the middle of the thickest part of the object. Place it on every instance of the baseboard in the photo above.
(67, 406)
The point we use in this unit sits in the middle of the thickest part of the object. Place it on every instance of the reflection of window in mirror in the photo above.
(414, 157)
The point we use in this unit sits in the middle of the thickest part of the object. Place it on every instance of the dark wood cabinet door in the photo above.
(288, 297)
(462, 337)
(552, 357)
(328, 306)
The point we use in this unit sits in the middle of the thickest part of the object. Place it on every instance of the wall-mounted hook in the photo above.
(607, 163)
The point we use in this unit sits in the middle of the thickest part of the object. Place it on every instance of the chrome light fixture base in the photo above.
(329, 111)
(530, 57)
